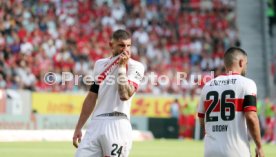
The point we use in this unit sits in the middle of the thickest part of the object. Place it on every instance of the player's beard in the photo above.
(116, 53)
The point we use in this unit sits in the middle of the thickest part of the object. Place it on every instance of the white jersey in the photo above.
(106, 72)
(222, 105)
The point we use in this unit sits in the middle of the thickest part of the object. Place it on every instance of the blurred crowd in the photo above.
(267, 116)
(273, 67)
(169, 36)
(271, 14)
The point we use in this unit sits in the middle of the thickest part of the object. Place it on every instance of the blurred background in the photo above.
(169, 36)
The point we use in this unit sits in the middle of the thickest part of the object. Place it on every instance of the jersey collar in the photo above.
(232, 73)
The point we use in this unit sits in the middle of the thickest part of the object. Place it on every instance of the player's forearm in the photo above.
(87, 108)
(125, 89)
(85, 113)
(254, 128)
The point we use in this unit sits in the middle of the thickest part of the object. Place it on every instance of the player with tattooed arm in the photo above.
(109, 99)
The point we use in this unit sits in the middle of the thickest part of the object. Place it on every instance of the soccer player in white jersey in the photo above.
(109, 99)
(227, 110)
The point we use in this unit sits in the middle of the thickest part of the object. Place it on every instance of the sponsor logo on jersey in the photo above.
(223, 82)
(138, 76)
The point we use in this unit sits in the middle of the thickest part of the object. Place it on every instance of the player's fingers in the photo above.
(256, 152)
(79, 140)
(75, 142)
(122, 54)
(122, 57)
(126, 54)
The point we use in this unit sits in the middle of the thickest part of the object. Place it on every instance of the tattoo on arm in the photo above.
(126, 89)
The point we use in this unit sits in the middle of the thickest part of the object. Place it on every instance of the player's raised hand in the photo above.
(77, 138)
(124, 56)
(259, 152)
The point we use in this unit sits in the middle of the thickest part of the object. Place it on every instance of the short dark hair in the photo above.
(230, 55)
(121, 34)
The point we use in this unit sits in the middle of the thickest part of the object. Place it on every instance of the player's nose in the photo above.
(125, 49)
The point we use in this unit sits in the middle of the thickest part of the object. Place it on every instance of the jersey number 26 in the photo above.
(223, 105)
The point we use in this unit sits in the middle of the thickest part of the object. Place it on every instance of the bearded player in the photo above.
(116, 80)
(227, 110)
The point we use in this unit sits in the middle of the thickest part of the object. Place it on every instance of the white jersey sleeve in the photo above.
(250, 88)
(250, 93)
(135, 74)
(97, 69)
(200, 109)
(94, 86)
(94, 72)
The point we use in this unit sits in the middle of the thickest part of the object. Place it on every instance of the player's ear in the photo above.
(241, 63)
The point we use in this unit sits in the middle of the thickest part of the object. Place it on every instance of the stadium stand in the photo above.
(69, 36)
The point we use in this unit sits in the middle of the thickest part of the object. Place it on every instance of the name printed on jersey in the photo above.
(219, 128)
